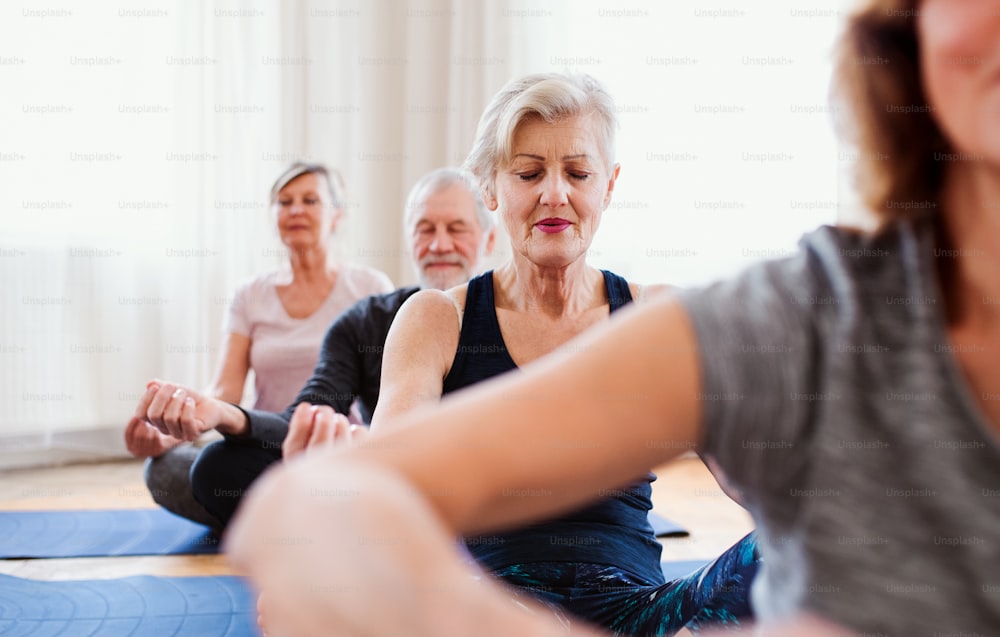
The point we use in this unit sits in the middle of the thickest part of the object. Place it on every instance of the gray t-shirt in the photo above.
(833, 401)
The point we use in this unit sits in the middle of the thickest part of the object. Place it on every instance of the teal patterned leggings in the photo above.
(716, 595)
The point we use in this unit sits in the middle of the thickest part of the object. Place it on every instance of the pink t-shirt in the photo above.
(284, 350)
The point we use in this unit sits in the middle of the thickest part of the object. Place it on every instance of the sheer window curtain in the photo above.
(138, 143)
(727, 147)
(138, 148)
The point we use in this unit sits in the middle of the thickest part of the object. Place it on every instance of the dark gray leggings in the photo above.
(224, 471)
(205, 485)
(168, 479)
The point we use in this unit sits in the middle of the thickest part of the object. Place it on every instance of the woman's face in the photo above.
(552, 193)
(960, 68)
(306, 215)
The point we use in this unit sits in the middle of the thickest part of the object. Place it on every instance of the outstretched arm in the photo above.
(365, 557)
(362, 543)
(616, 401)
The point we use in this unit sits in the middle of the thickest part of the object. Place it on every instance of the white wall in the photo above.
(139, 141)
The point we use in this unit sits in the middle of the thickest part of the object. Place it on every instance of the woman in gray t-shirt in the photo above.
(850, 393)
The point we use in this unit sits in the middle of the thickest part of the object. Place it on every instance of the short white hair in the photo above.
(442, 179)
(549, 96)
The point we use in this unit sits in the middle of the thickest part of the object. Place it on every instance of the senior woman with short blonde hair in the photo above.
(544, 159)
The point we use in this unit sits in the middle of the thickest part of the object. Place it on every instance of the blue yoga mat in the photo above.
(38, 534)
(146, 606)
(29, 534)
(662, 527)
(130, 607)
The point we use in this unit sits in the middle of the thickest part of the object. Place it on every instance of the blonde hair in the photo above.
(334, 182)
(549, 96)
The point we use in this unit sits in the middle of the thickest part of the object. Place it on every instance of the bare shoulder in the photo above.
(418, 353)
(434, 307)
(642, 293)
(429, 316)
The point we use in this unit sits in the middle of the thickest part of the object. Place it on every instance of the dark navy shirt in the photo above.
(614, 531)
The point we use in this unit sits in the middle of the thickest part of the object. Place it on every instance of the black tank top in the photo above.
(613, 531)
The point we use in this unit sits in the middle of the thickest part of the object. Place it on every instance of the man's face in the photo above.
(446, 238)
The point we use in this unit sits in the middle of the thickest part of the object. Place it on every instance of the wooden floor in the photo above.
(684, 492)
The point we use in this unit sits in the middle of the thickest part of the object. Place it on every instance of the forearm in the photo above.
(347, 547)
(234, 366)
(614, 404)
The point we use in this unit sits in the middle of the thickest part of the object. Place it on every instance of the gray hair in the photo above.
(442, 179)
(550, 96)
(334, 182)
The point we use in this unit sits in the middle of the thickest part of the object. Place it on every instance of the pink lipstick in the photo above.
(552, 225)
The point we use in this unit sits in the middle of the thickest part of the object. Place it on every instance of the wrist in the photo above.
(233, 420)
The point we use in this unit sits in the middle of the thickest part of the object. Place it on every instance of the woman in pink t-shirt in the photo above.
(275, 325)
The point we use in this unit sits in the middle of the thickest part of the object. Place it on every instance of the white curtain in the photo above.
(139, 144)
